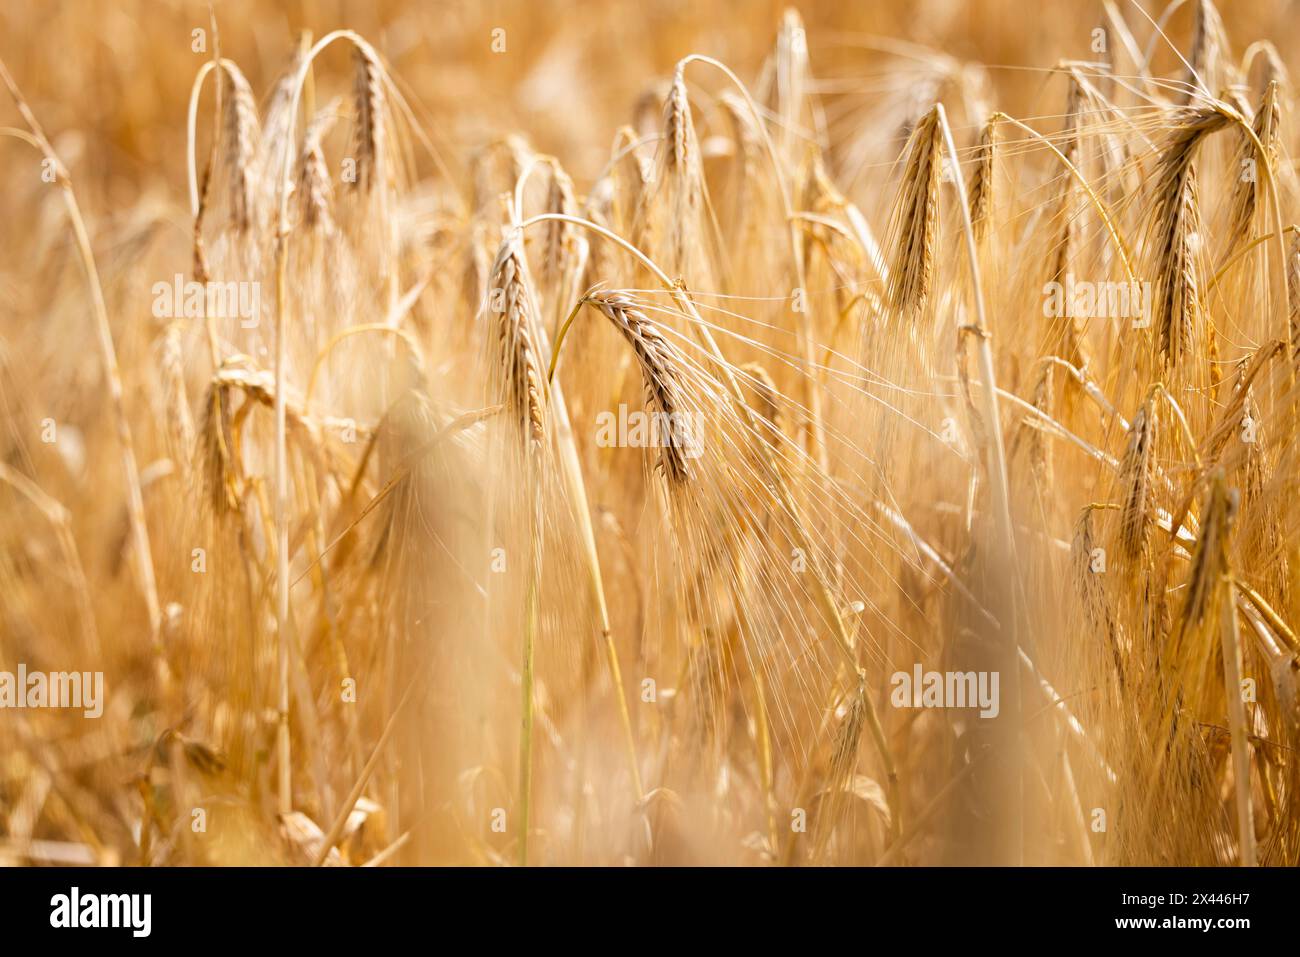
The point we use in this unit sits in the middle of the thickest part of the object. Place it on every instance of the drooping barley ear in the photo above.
(679, 130)
(661, 374)
(1065, 333)
(1136, 479)
(516, 365)
(1262, 532)
(218, 473)
(1175, 220)
(983, 194)
(915, 220)
(241, 134)
(1210, 557)
(369, 142)
(791, 86)
(1249, 178)
(314, 187)
(1177, 305)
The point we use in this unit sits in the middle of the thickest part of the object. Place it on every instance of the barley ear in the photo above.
(983, 192)
(1137, 471)
(915, 220)
(369, 142)
(661, 375)
(516, 365)
(241, 135)
(1249, 180)
(315, 190)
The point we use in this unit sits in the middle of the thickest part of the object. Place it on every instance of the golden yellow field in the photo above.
(640, 433)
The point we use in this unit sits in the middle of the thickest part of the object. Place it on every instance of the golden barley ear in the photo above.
(314, 188)
(513, 337)
(1177, 310)
(369, 144)
(241, 135)
(1137, 471)
(672, 209)
(914, 226)
(679, 130)
(220, 481)
(983, 190)
(661, 375)
(1065, 333)
(1173, 234)
(1250, 177)
(1210, 557)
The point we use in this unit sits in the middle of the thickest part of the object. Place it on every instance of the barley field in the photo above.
(649, 432)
